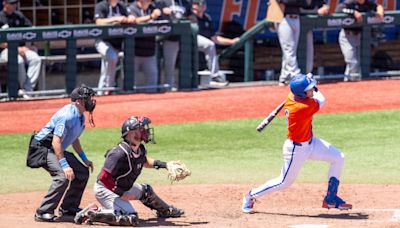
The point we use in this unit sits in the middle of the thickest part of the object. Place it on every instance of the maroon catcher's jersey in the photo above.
(122, 167)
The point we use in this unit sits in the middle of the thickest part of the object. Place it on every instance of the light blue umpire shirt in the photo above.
(67, 123)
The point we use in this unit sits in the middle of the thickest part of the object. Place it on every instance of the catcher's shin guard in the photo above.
(114, 218)
(151, 200)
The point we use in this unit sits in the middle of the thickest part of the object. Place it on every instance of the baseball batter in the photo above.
(349, 38)
(289, 33)
(301, 104)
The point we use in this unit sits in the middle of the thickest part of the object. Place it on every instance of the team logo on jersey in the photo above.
(139, 166)
(59, 130)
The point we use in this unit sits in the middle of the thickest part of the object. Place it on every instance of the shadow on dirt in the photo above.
(162, 222)
(153, 222)
(347, 215)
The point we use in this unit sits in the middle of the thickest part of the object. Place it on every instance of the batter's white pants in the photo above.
(111, 201)
(288, 34)
(27, 80)
(350, 46)
(294, 156)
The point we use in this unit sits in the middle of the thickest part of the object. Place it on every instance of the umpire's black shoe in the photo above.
(46, 217)
(70, 212)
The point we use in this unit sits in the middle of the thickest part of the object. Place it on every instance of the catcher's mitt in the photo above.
(177, 170)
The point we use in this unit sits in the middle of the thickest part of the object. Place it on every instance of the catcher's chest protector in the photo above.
(128, 167)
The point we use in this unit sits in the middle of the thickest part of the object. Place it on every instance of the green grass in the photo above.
(233, 152)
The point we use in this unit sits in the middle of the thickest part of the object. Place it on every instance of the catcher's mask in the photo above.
(85, 94)
(141, 123)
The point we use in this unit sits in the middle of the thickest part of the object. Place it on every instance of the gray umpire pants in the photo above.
(109, 63)
(59, 185)
(288, 34)
(170, 53)
(150, 70)
(207, 46)
(350, 45)
(27, 80)
(111, 201)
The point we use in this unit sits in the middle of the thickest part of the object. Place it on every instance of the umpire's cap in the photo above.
(82, 92)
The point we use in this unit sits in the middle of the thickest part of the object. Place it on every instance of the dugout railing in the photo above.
(312, 22)
(71, 33)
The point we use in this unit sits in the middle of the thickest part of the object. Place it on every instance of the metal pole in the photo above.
(70, 73)
(248, 60)
(185, 58)
(129, 63)
(365, 50)
(12, 68)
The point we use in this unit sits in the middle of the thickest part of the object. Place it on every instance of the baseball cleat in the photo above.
(46, 217)
(172, 212)
(248, 203)
(338, 204)
(83, 215)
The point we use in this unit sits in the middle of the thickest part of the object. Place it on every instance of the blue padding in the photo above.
(332, 190)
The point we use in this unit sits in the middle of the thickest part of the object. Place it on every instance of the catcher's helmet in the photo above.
(85, 93)
(300, 84)
(141, 123)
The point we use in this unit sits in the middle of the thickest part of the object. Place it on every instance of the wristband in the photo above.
(159, 164)
(82, 155)
(63, 162)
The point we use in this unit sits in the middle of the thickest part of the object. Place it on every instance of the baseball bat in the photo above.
(270, 117)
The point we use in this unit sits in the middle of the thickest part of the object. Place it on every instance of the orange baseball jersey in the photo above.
(299, 117)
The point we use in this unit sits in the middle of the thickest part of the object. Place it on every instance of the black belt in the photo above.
(300, 144)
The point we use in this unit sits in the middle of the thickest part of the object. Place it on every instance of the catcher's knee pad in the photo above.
(114, 218)
(151, 200)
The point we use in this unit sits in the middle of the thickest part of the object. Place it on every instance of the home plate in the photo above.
(309, 226)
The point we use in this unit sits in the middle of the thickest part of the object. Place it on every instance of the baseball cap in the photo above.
(11, 1)
(200, 2)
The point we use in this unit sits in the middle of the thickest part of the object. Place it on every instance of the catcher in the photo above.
(115, 185)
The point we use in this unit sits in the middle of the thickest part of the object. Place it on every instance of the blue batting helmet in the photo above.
(300, 84)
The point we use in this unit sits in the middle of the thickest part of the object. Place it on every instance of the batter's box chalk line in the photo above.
(309, 226)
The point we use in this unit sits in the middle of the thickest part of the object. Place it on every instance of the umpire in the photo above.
(47, 150)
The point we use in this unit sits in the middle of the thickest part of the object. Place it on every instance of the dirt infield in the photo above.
(219, 205)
